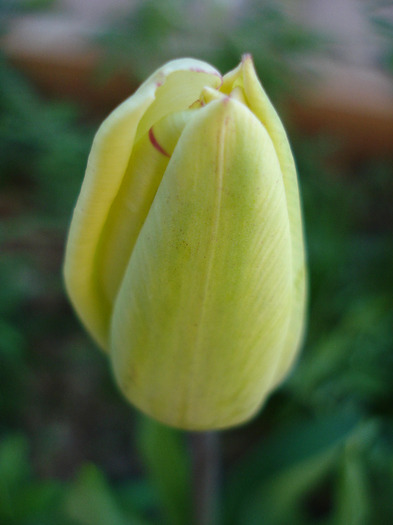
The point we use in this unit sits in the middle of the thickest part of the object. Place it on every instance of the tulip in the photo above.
(185, 256)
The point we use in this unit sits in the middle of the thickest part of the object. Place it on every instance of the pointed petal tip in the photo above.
(247, 63)
(247, 57)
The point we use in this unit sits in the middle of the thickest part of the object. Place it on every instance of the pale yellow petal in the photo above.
(261, 106)
(107, 164)
(132, 203)
(201, 316)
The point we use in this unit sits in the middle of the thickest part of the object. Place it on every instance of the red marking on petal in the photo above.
(160, 80)
(154, 142)
(200, 70)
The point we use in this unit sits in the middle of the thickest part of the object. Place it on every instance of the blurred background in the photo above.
(72, 451)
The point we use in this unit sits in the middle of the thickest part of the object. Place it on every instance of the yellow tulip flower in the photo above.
(185, 256)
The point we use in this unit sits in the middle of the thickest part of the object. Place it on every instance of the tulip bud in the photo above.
(185, 256)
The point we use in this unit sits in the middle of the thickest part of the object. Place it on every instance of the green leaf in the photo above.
(92, 502)
(277, 473)
(24, 499)
(14, 472)
(278, 498)
(167, 464)
(353, 498)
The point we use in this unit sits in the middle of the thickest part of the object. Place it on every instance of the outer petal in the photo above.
(132, 203)
(201, 315)
(173, 87)
(259, 103)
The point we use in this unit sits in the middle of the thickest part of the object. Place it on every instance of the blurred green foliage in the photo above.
(72, 451)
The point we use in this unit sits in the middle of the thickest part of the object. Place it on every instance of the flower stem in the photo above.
(205, 476)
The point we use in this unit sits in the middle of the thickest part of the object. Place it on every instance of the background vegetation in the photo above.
(72, 452)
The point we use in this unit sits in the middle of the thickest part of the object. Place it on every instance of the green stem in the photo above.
(205, 449)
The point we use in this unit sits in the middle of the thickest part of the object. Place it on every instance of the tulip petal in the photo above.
(261, 106)
(132, 203)
(172, 88)
(202, 313)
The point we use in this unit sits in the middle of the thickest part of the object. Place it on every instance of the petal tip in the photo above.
(247, 57)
